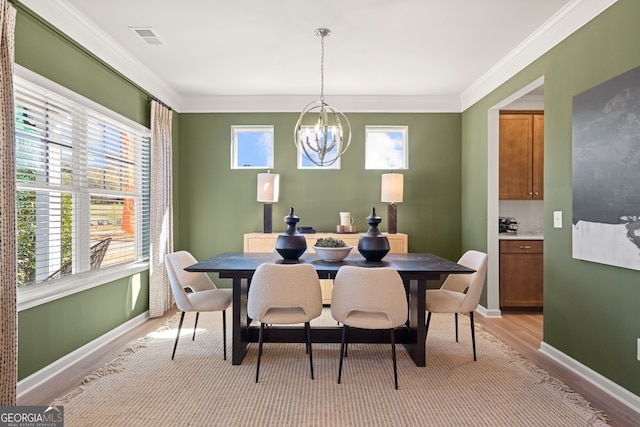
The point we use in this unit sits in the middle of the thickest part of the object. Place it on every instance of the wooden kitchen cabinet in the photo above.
(521, 155)
(521, 274)
(266, 242)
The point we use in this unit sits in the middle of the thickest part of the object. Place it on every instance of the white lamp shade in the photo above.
(268, 187)
(392, 187)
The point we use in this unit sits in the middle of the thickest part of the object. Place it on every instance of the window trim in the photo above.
(238, 129)
(42, 293)
(373, 130)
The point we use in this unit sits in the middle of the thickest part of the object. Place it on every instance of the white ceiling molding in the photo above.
(352, 104)
(568, 20)
(75, 24)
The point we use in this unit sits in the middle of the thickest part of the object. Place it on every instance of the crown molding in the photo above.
(74, 24)
(354, 104)
(565, 22)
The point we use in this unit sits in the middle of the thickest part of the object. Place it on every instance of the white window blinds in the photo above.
(83, 186)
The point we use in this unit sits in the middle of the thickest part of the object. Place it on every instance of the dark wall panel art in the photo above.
(606, 172)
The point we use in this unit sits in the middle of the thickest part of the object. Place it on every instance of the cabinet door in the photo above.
(259, 242)
(521, 273)
(538, 156)
(516, 156)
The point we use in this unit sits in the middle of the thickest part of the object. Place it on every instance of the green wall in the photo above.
(49, 331)
(590, 310)
(220, 203)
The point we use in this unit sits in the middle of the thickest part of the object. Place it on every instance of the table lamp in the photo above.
(392, 190)
(268, 191)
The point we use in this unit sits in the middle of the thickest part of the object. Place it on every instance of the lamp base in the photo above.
(392, 212)
(267, 218)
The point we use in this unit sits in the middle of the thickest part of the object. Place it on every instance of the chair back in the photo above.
(180, 279)
(284, 286)
(470, 284)
(369, 290)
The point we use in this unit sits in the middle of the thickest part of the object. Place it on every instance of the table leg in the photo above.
(417, 328)
(240, 337)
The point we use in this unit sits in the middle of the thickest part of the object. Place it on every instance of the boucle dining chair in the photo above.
(195, 292)
(368, 298)
(284, 294)
(460, 293)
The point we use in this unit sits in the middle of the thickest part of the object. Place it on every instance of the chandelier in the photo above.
(319, 133)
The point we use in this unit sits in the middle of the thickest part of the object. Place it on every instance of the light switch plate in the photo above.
(638, 355)
(557, 219)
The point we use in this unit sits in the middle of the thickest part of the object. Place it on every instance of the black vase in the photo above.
(373, 245)
(291, 244)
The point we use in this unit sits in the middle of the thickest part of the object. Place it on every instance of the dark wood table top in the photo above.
(407, 264)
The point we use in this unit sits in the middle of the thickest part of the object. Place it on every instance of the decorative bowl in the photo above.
(332, 254)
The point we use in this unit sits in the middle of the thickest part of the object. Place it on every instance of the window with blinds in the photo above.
(82, 186)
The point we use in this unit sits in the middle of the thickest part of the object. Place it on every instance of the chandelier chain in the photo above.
(322, 35)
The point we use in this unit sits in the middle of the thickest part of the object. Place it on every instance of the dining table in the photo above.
(415, 269)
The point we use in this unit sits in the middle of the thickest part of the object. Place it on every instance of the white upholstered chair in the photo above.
(368, 298)
(284, 294)
(195, 292)
(460, 293)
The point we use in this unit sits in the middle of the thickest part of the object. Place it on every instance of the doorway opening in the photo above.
(520, 97)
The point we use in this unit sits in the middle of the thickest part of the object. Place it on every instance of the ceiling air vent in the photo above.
(148, 36)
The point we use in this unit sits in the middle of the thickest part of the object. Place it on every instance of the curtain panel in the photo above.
(160, 296)
(8, 258)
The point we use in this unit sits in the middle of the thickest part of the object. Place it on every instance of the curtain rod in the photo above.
(153, 98)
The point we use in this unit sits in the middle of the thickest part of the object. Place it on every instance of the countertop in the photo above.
(520, 236)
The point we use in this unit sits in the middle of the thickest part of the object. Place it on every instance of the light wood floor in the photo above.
(521, 331)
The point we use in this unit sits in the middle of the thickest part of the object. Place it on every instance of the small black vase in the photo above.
(291, 244)
(373, 245)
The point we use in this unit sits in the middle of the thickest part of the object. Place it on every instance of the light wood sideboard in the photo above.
(266, 242)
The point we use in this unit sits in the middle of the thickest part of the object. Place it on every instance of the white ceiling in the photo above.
(258, 55)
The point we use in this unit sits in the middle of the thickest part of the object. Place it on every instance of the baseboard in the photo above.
(34, 380)
(488, 313)
(617, 392)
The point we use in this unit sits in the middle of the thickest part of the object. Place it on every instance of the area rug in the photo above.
(144, 387)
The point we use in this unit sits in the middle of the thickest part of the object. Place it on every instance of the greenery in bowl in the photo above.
(330, 242)
(331, 252)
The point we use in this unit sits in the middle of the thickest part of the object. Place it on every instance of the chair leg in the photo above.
(307, 327)
(346, 345)
(224, 333)
(473, 336)
(259, 350)
(177, 336)
(342, 349)
(393, 354)
(195, 326)
(456, 316)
